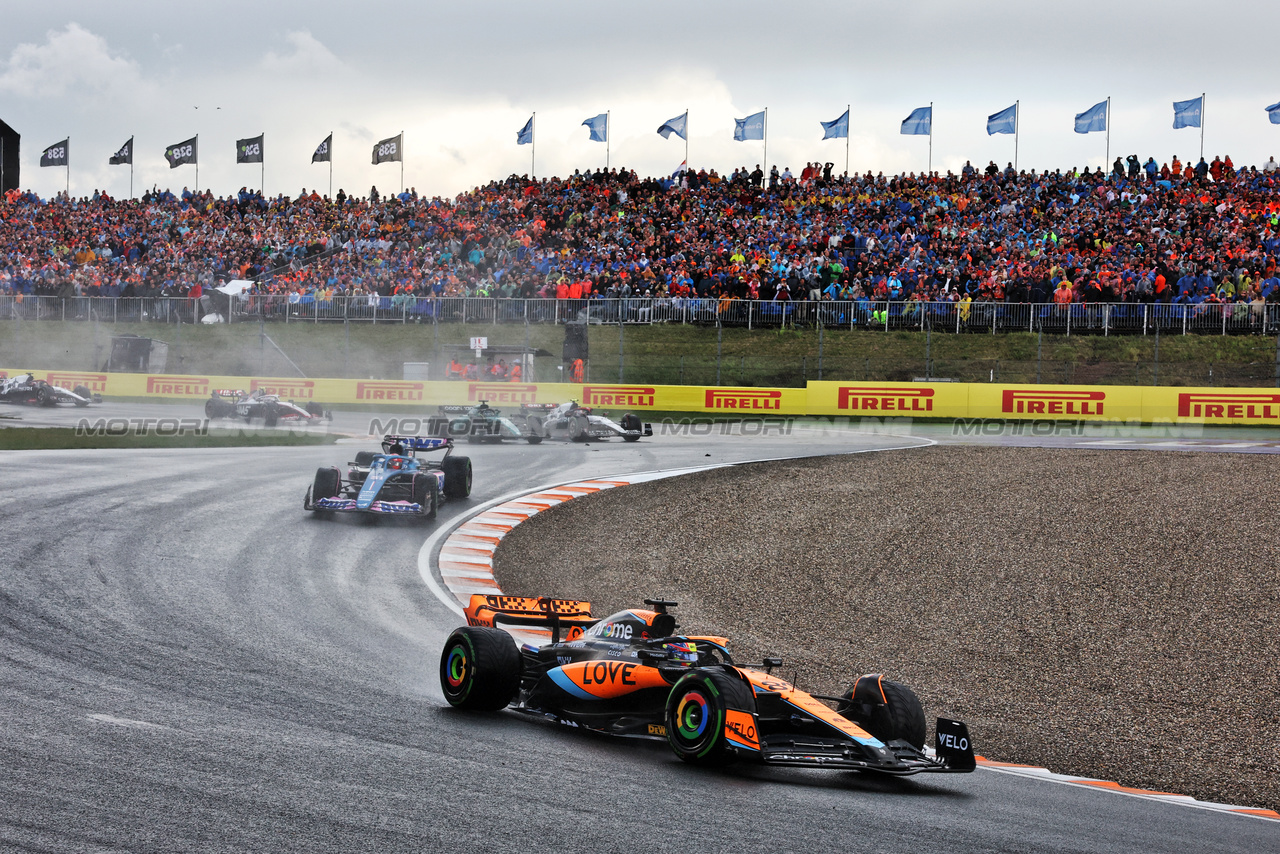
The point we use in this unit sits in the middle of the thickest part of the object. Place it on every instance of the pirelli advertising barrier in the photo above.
(855, 400)
(1046, 402)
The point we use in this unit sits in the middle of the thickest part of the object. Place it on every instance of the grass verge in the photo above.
(62, 438)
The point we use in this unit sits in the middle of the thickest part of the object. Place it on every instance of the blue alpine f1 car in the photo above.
(394, 483)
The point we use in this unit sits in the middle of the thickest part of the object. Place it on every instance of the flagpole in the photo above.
(686, 138)
(262, 171)
(847, 109)
(68, 154)
(330, 168)
(766, 142)
(606, 140)
(402, 160)
(131, 168)
(1017, 126)
(930, 137)
(533, 146)
(1108, 157)
(197, 164)
(1202, 126)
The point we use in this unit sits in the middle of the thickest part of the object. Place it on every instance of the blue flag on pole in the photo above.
(1186, 114)
(1005, 121)
(524, 136)
(1092, 119)
(919, 123)
(836, 128)
(599, 126)
(1274, 113)
(752, 127)
(676, 126)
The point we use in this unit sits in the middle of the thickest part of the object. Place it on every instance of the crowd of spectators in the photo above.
(1139, 232)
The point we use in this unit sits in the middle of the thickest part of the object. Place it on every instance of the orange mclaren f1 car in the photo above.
(632, 674)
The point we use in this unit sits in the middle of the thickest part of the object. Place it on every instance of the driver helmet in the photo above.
(686, 651)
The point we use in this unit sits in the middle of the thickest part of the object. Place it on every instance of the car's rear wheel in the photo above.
(696, 712)
(271, 415)
(480, 668)
(44, 396)
(216, 407)
(457, 476)
(425, 493)
(631, 422)
(886, 709)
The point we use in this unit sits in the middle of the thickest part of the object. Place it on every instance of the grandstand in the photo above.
(1179, 249)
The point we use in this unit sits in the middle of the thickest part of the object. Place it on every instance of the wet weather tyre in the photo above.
(897, 712)
(536, 431)
(533, 440)
(271, 416)
(457, 476)
(578, 427)
(326, 485)
(44, 396)
(314, 409)
(631, 422)
(83, 392)
(365, 458)
(696, 711)
(480, 669)
(217, 408)
(426, 494)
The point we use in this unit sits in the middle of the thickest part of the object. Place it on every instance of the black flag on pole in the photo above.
(389, 150)
(123, 156)
(56, 154)
(181, 152)
(324, 152)
(249, 150)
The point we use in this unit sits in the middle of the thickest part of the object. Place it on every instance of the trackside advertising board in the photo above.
(1242, 406)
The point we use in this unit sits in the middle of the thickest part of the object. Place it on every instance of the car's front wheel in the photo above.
(886, 709)
(457, 476)
(480, 668)
(697, 710)
(426, 494)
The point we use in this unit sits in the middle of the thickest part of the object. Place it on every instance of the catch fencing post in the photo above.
(750, 307)
(1145, 306)
(819, 345)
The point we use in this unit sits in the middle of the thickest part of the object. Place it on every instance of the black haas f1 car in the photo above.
(393, 483)
(632, 674)
(576, 423)
(482, 423)
(237, 403)
(25, 388)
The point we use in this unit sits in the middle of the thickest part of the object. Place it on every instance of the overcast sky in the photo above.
(460, 79)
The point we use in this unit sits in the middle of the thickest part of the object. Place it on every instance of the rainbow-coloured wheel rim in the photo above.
(692, 716)
(456, 667)
(454, 672)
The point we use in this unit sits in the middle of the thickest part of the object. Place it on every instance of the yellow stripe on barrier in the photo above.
(1258, 406)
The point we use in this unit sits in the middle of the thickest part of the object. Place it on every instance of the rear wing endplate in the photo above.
(555, 614)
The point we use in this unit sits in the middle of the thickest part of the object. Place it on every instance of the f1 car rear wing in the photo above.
(416, 443)
(453, 409)
(229, 392)
(488, 610)
(537, 408)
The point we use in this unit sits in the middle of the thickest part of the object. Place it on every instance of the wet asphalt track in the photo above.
(189, 662)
